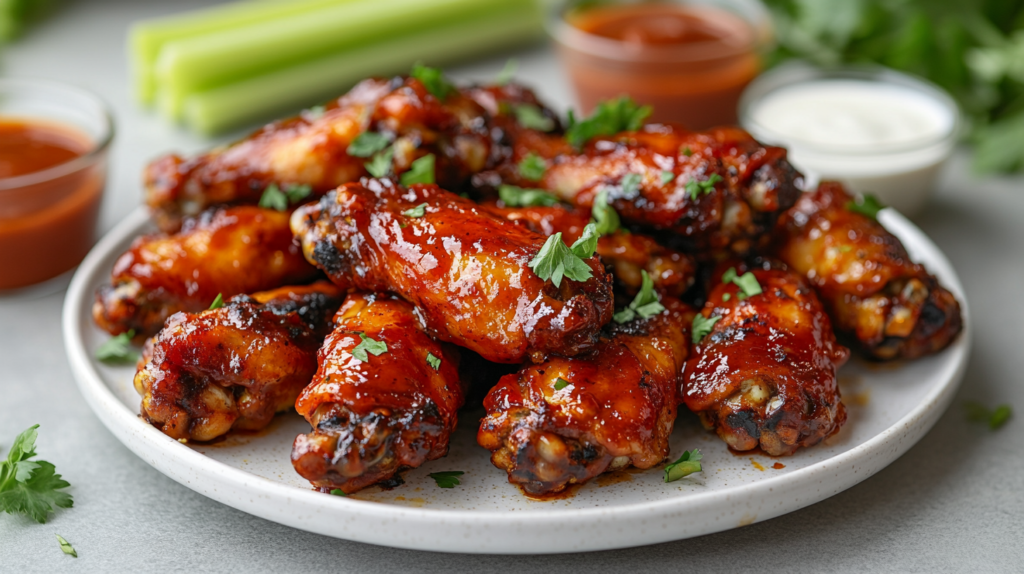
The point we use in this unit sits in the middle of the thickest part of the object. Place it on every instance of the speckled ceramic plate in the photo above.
(890, 408)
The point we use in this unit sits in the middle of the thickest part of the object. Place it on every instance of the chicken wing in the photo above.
(891, 305)
(764, 374)
(464, 269)
(373, 414)
(236, 366)
(224, 251)
(567, 420)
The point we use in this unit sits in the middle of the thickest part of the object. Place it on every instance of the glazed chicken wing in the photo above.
(567, 420)
(464, 269)
(765, 374)
(377, 412)
(893, 306)
(236, 366)
(224, 251)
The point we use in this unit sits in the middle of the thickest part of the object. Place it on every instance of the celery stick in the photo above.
(261, 97)
(146, 38)
(213, 60)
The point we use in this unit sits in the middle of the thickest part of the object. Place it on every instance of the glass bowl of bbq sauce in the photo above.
(54, 140)
(689, 59)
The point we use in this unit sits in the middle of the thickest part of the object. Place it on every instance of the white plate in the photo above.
(890, 408)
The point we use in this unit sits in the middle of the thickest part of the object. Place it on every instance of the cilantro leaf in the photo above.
(434, 81)
(30, 487)
(604, 215)
(508, 73)
(368, 345)
(630, 185)
(531, 117)
(610, 117)
(667, 177)
(555, 260)
(117, 349)
(218, 301)
(66, 546)
(433, 361)
(447, 479)
(380, 164)
(513, 196)
(338, 492)
(695, 187)
(274, 198)
(866, 205)
(532, 167)
(420, 171)
(684, 466)
(367, 144)
(995, 418)
(645, 304)
(418, 211)
(561, 383)
(702, 326)
(586, 245)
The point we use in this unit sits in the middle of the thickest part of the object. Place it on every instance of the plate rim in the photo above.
(122, 422)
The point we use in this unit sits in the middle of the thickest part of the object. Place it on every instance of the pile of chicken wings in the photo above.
(413, 243)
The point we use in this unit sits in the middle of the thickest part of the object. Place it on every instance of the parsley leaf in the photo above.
(630, 185)
(418, 211)
(995, 418)
(747, 282)
(117, 349)
(687, 151)
(447, 479)
(610, 117)
(586, 245)
(555, 259)
(513, 196)
(667, 177)
(685, 465)
(561, 383)
(367, 144)
(380, 164)
(726, 296)
(645, 304)
(420, 171)
(30, 487)
(695, 187)
(433, 361)
(531, 117)
(508, 73)
(866, 205)
(605, 216)
(218, 301)
(66, 546)
(702, 326)
(368, 345)
(532, 167)
(433, 79)
(274, 198)
(338, 492)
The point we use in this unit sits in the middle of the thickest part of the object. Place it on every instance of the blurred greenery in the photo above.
(16, 15)
(972, 48)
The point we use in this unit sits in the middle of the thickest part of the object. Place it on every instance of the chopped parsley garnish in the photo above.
(274, 198)
(995, 418)
(555, 259)
(532, 167)
(118, 349)
(687, 151)
(667, 177)
(866, 205)
(561, 383)
(66, 547)
(338, 492)
(630, 184)
(433, 80)
(420, 171)
(30, 487)
(418, 211)
(695, 187)
(726, 296)
(367, 144)
(645, 304)
(368, 345)
(605, 216)
(610, 117)
(448, 478)
(508, 73)
(218, 301)
(531, 117)
(747, 282)
(702, 326)
(684, 466)
(513, 196)
(380, 164)
(433, 361)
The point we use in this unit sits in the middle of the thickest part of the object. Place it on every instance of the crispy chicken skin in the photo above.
(310, 149)
(625, 254)
(465, 270)
(373, 418)
(223, 251)
(234, 367)
(891, 305)
(766, 373)
(733, 216)
(617, 410)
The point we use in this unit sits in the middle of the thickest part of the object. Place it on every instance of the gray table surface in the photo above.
(954, 502)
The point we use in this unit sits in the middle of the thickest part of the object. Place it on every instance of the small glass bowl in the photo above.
(48, 217)
(901, 174)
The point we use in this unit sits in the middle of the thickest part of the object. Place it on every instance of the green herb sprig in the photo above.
(367, 143)
(645, 304)
(118, 349)
(420, 171)
(433, 79)
(747, 282)
(532, 167)
(30, 487)
(994, 418)
(66, 547)
(684, 466)
(555, 259)
(433, 361)
(531, 117)
(696, 187)
(610, 117)
(447, 478)
(368, 345)
(513, 196)
(275, 198)
(702, 326)
(604, 215)
(866, 205)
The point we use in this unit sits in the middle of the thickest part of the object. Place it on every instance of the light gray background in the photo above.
(955, 502)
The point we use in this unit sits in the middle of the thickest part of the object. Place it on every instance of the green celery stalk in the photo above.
(214, 60)
(148, 37)
(263, 96)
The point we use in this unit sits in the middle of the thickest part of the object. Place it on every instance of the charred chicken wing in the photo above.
(567, 420)
(236, 366)
(466, 270)
(891, 305)
(384, 397)
(224, 251)
(763, 371)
